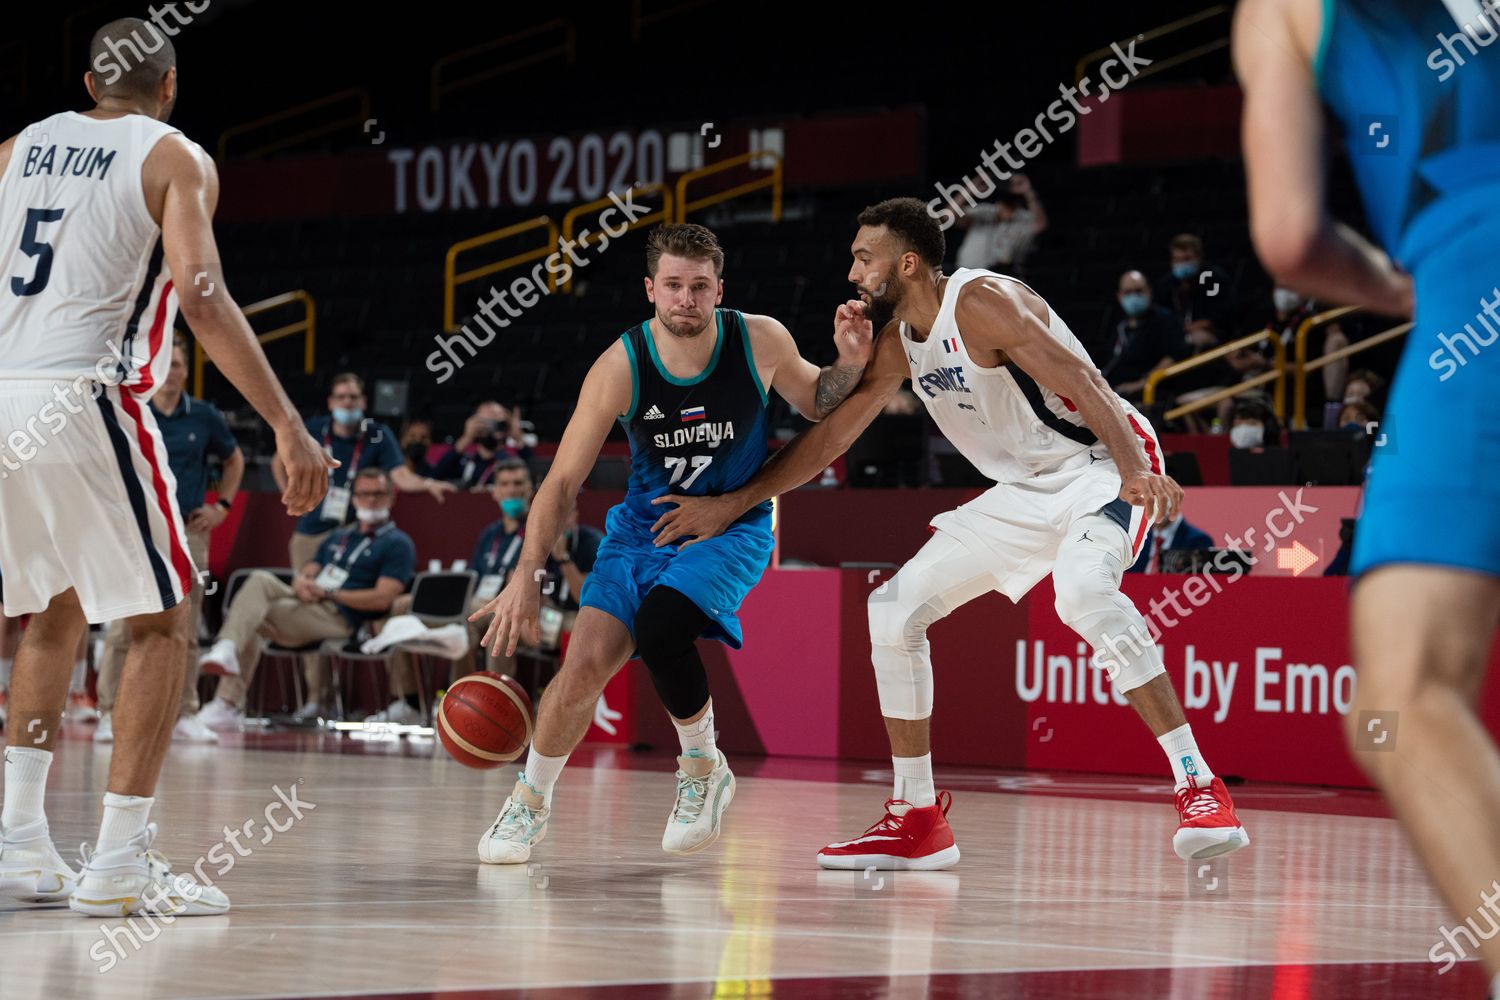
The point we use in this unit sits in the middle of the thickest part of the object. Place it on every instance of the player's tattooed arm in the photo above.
(802, 458)
(812, 391)
(835, 382)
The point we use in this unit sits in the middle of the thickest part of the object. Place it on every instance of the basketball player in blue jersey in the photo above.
(1413, 87)
(690, 387)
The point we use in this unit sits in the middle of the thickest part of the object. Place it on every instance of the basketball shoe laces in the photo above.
(890, 822)
(1194, 802)
(690, 805)
(518, 818)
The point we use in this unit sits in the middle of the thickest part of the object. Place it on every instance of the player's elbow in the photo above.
(1288, 249)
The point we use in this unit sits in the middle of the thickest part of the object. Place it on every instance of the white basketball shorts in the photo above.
(1020, 525)
(87, 502)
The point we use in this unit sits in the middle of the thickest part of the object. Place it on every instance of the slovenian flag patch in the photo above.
(692, 413)
(950, 345)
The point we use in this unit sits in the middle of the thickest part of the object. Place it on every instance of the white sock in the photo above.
(124, 818)
(25, 785)
(1182, 751)
(914, 780)
(80, 682)
(698, 735)
(5, 665)
(542, 773)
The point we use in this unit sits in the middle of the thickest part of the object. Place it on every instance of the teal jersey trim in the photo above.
(713, 362)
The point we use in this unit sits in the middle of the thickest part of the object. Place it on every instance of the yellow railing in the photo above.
(639, 17)
(569, 220)
(1301, 366)
(359, 117)
(568, 47)
(308, 325)
(1277, 374)
(773, 182)
(452, 279)
(1158, 65)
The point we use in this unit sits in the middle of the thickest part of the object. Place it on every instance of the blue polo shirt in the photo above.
(388, 551)
(377, 446)
(192, 432)
(498, 550)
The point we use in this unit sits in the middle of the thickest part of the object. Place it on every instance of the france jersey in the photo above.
(1414, 87)
(698, 436)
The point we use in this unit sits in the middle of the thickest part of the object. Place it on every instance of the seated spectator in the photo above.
(495, 555)
(1194, 290)
(1000, 233)
(1253, 425)
(1144, 338)
(358, 444)
(1359, 415)
(492, 434)
(355, 577)
(1364, 386)
(416, 442)
(193, 431)
(1175, 534)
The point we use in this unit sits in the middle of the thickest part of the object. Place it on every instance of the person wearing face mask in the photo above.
(416, 441)
(1289, 309)
(355, 577)
(492, 434)
(1142, 338)
(1193, 289)
(357, 444)
(496, 554)
(1254, 426)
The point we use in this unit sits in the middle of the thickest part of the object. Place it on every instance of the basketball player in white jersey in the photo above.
(99, 213)
(1079, 479)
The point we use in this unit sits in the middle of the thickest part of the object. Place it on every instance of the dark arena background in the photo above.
(452, 202)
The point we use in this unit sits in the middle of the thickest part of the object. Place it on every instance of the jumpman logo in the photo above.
(1085, 537)
(1094, 458)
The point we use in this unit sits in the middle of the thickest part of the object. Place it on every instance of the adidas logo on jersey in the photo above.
(654, 414)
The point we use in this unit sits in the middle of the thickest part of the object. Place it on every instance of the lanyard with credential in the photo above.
(511, 551)
(359, 444)
(359, 550)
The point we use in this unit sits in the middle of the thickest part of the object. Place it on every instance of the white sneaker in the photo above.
(705, 787)
(190, 729)
(310, 712)
(106, 731)
(134, 879)
(82, 707)
(221, 659)
(521, 824)
(31, 870)
(397, 713)
(219, 716)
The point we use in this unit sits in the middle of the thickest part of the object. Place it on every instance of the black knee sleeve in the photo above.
(666, 628)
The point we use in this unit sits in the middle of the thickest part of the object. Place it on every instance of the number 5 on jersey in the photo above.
(679, 465)
(32, 247)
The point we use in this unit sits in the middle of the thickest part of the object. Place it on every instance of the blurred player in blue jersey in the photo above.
(689, 385)
(1413, 87)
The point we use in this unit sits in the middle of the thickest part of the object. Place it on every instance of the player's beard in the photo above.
(678, 326)
(881, 308)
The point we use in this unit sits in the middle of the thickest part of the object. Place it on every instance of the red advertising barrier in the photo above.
(1261, 664)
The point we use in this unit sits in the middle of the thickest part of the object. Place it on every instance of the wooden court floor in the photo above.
(1067, 889)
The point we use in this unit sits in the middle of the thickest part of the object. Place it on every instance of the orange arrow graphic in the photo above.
(1298, 558)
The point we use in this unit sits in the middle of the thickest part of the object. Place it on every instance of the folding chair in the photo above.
(437, 598)
(270, 652)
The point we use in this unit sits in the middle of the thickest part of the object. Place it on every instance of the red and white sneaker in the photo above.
(1208, 826)
(907, 838)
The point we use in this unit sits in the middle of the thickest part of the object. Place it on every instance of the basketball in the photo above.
(485, 720)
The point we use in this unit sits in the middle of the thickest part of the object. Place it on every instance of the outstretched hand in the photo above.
(696, 518)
